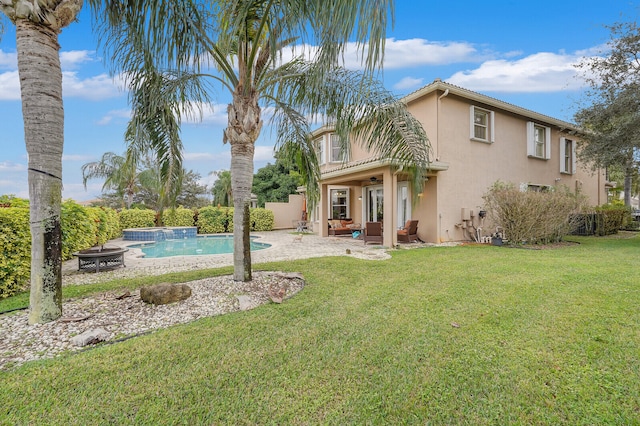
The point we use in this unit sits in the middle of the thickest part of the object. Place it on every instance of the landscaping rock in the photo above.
(245, 302)
(90, 337)
(162, 294)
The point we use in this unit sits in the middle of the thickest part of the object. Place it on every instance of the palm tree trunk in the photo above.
(42, 110)
(242, 132)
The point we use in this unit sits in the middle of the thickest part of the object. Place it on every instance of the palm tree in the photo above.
(119, 173)
(222, 192)
(38, 23)
(182, 46)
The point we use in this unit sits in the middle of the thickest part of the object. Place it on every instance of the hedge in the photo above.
(82, 227)
(213, 220)
(15, 250)
(136, 218)
(178, 217)
(605, 220)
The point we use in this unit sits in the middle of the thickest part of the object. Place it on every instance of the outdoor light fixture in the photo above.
(373, 179)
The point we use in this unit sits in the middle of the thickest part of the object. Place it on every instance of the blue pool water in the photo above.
(217, 244)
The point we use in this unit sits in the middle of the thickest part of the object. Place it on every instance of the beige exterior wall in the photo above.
(286, 214)
(467, 168)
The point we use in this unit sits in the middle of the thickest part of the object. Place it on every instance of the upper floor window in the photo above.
(337, 152)
(318, 144)
(481, 124)
(567, 156)
(538, 141)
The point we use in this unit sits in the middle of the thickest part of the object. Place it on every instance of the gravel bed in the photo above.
(130, 316)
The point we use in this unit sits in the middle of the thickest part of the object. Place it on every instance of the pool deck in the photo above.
(285, 245)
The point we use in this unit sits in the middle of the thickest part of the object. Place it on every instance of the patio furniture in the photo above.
(340, 227)
(409, 232)
(373, 232)
(100, 258)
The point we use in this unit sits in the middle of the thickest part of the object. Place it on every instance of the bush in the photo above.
(178, 217)
(532, 217)
(79, 229)
(215, 220)
(15, 250)
(136, 218)
(82, 227)
(261, 219)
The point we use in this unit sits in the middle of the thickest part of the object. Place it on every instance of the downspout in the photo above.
(445, 94)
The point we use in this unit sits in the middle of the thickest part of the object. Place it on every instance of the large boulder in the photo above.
(161, 294)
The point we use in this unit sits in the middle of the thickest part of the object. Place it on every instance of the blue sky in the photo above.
(522, 52)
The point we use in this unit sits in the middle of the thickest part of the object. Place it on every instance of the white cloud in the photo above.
(93, 88)
(215, 114)
(540, 72)
(398, 54)
(263, 153)
(8, 60)
(77, 191)
(417, 52)
(71, 59)
(9, 86)
(114, 115)
(408, 83)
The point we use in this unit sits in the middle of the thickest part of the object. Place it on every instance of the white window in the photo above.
(337, 153)
(319, 147)
(567, 156)
(538, 141)
(339, 204)
(482, 123)
(535, 187)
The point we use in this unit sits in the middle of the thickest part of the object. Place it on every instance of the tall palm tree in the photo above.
(222, 192)
(120, 174)
(240, 45)
(38, 23)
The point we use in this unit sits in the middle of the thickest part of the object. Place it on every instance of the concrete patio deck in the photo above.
(285, 245)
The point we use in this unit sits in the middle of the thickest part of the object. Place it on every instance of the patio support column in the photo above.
(324, 208)
(388, 222)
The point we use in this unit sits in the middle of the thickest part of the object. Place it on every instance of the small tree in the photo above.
(533, 217)
(275, 182)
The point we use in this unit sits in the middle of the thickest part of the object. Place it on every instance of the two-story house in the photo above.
(476, 141)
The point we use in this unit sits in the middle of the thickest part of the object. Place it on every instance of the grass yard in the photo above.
(464, 335)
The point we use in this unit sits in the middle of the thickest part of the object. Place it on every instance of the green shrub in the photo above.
(12, 201)
(215, 220)
(79, 229)
(262, 219)
(178, 217)
(611, 218)
(15, 250)
(136, 218)
(82, 227)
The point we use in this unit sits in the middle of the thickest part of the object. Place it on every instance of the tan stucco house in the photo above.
(476, 141)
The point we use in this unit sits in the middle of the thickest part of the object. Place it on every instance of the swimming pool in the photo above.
(214, 244)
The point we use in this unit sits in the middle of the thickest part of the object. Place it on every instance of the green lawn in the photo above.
(463, 335)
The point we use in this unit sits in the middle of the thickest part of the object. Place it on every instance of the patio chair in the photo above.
(373, 232)
(409, 232)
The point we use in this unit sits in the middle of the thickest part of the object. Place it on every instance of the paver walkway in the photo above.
(285, 245)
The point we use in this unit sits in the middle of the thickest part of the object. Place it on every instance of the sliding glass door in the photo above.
(375, 204)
